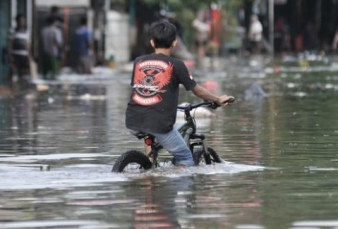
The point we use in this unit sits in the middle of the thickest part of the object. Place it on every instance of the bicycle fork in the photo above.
(200, 141)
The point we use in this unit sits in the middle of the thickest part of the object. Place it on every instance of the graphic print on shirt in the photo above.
(149, 79)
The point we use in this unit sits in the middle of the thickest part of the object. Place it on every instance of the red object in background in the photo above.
(211, 85)
(216, 26)
(277, 69)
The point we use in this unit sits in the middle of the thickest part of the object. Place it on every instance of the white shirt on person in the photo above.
(255, 32)
(202, 30)
(20, 40)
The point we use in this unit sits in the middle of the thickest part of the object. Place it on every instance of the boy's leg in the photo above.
(175, 144)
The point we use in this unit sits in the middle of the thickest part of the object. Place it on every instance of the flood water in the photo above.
(57, 149)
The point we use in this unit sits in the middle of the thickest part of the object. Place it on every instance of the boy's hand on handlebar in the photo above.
(225, 100)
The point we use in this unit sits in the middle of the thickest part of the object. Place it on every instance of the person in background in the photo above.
(52, 43)
(202, 29)
(63, 27)
(83, 48)
(19, 49)
(310, 37)
(255, 35)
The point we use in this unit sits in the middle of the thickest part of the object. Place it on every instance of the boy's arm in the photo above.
(203, 93)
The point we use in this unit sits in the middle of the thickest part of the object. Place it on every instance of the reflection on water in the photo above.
(280, 152)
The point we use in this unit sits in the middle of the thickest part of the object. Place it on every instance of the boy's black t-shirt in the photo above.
(154, 99)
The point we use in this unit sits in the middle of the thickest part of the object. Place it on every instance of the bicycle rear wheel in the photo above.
(201, 157)
(132, 161)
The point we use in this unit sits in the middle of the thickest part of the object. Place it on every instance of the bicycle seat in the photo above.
(141, 135)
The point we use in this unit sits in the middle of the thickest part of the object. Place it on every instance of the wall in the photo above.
(5, 25)
(117, 38)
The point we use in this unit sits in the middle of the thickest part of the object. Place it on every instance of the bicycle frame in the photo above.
(188, 131)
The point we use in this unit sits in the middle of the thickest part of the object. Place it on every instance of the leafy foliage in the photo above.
(185, 12)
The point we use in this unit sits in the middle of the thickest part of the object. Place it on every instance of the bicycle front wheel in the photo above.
(132, 161)
(202, 157)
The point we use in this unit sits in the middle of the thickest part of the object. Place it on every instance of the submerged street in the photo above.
(57, 148)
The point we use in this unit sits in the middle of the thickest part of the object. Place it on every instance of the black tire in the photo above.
(214, 156)
(129, 157)
(210, 158)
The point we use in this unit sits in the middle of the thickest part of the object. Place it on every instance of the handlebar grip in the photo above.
(215, 105)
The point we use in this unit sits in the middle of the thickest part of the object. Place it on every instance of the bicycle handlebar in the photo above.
(212, 105)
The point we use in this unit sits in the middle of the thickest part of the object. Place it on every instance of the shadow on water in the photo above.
(78, 132)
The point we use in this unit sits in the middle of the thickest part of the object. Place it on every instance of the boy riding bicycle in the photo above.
(155, 88)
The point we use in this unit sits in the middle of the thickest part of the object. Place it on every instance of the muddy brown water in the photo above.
(280, 152)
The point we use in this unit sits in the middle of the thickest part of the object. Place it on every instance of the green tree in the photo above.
(185, 12)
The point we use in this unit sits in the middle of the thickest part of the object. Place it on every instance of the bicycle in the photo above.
(196, 143)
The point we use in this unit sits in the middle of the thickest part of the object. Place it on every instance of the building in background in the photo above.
(309, 25)
(120, 27)
(117, 37)
(312, 23)
(110, 28)
(69, 13)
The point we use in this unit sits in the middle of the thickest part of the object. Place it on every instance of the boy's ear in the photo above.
(152, 43)
(174, 43)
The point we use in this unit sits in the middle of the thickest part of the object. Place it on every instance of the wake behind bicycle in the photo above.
(135, 160)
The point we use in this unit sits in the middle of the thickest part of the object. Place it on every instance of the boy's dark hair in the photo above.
(83, 21)
(163, 34)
